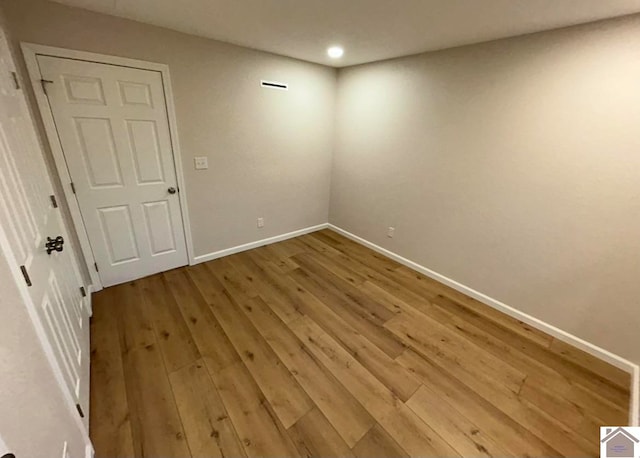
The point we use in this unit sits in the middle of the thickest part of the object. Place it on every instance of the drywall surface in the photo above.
(269, 151)
(511, 167)
(35, 420)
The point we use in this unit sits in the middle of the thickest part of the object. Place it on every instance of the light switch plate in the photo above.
(201, 162)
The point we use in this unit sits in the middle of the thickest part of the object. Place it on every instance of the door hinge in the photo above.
(80, 410)
(25, 274)
(16, 82)
(73, 187)
(44, 82)
(54, 202)
(95, 264)
(83, 291)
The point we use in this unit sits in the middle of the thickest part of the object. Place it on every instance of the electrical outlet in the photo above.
(260, 222)
(391, 231)
(201, 162)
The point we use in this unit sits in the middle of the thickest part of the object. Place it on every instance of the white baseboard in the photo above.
(88, 300)
(256, 244)
(89, 452)
(635, 397)
(95, 288)
(577, 342)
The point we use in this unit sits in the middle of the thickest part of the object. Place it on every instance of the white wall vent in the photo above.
(274, 85)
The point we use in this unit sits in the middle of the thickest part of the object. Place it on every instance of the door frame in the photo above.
(31, 51)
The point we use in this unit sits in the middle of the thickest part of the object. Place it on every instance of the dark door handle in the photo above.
(9, 455)
(52, 245)
(172, 190)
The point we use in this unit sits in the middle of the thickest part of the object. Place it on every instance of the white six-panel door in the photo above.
(113, 128)
(28, 216)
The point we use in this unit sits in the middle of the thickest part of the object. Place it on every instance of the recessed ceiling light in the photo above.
(335, 52)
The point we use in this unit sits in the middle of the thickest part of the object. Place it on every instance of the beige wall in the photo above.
(269, 151)
(512, 167)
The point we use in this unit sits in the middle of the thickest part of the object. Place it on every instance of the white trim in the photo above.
(577, 342)
(89, 299)
(635, 397)
(89, 452)
(258, 243)
(31, 51)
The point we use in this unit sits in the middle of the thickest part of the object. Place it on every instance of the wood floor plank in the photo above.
(378, 444)
(399, 381)
(110, 423)
(402, 383)
(137, 330)
(511, 349)
(272, 253)
(467, 438)
(418, 308)
(287, 398)
(459, 355)
(566, 412)
(479, 410)
(318, 245)
(241, 287)
(185, 286)
(560, 437)
(267, 281)
(383, 338)
(366, 307)
(426, 284)
(260, 431)
(382, 278)
(384, 297)
(207, 426)
(416, 437)
(548, 362)
(313, 435)
(364, 255)
(599, 406)
(342, 410)
(400, 422)
(155, 423)
(368, 390)
(349, 275)
(428, 287)
(172, 334)
(529, 416)
(589, 362)
(290, 247)
(318, 345)
(505, 348)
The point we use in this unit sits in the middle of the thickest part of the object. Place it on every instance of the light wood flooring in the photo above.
(317, 346)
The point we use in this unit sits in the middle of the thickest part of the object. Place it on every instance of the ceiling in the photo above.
(369, 30)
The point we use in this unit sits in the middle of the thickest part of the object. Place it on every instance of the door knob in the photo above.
(172, 190)
(56, 244)
(9, 455)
